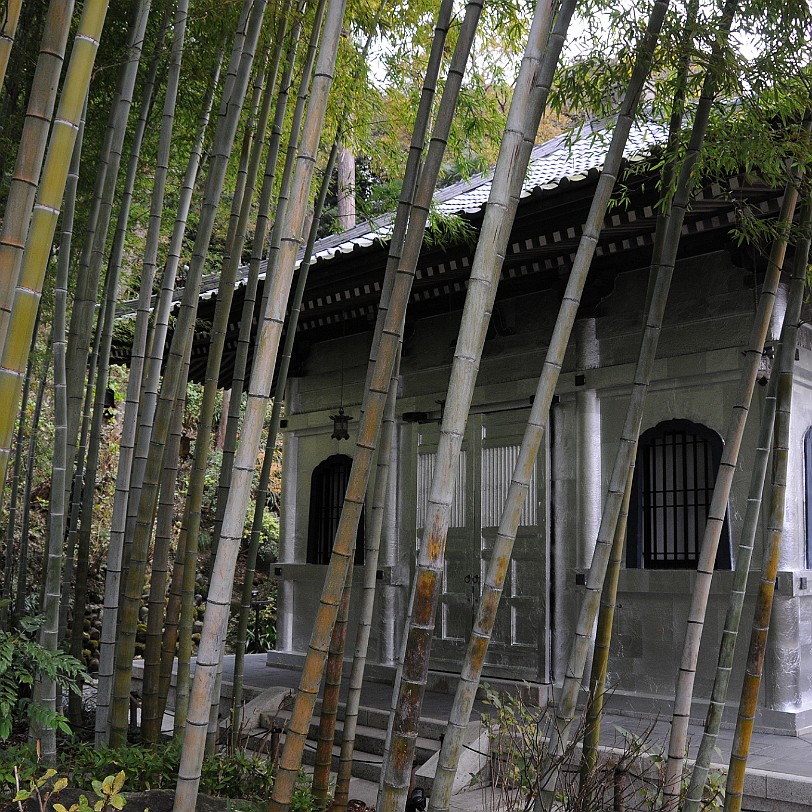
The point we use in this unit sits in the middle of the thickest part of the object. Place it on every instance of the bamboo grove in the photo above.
(153, 145)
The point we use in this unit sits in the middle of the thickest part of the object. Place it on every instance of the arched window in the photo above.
(672, 489)
(327, 487)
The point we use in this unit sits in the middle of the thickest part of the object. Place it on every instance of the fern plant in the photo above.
(22, 662)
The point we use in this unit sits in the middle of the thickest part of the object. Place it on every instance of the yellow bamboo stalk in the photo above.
(44, 218)
(748, 702)
(603, 640)
(716, 704)
(7, 32)
(31, 153)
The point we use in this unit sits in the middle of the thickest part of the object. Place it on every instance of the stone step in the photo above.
(369, 741)
(366, 766)
(427, 727)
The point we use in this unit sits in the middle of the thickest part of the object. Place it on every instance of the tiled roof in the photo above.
(567, 157)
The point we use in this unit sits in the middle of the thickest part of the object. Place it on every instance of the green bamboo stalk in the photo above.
(257, 250)
(93, 250)
(775, 524)
(43, 221)
(60, 318)
(22, 565)
(7, 32)
(151, 710)
(179, 351)
(145, 400)
(173, 607)
(332, 685)
(19, 456)
(190, 530)
(79, 542)
(31, 153)
(581, 644)
(267, 343)
(49, 632)
(600, 659)
(603, 641)
(744, 555)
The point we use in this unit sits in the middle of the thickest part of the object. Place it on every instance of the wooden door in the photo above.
(520, 641)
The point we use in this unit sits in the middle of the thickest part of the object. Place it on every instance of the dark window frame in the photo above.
(328, 482)
(639, 552)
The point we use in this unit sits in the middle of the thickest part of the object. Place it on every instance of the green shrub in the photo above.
(22, 661)
(240, 775)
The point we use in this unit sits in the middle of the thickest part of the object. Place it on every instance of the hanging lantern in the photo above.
(341, 423)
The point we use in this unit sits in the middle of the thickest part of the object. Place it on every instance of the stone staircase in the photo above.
(370, 737)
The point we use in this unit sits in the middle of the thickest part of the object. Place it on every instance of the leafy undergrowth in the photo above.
(236, 775)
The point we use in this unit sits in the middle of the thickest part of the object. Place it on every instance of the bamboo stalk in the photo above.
(59, 330)
(151, 710)
(7, 32)
(581, 644)
(179, 351)
(261, 494)
(43, 220)
(369, 427)
(49, 632)
(94, 248)
(19, 456)
(744, 554)
(332, 685)
(162, 313)
(257, 250)
(775, 524)
(603, 642)
(31, 153)
(80, 541)
(22, 565)
(240, 210)
(372, 550)
(267, 343)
